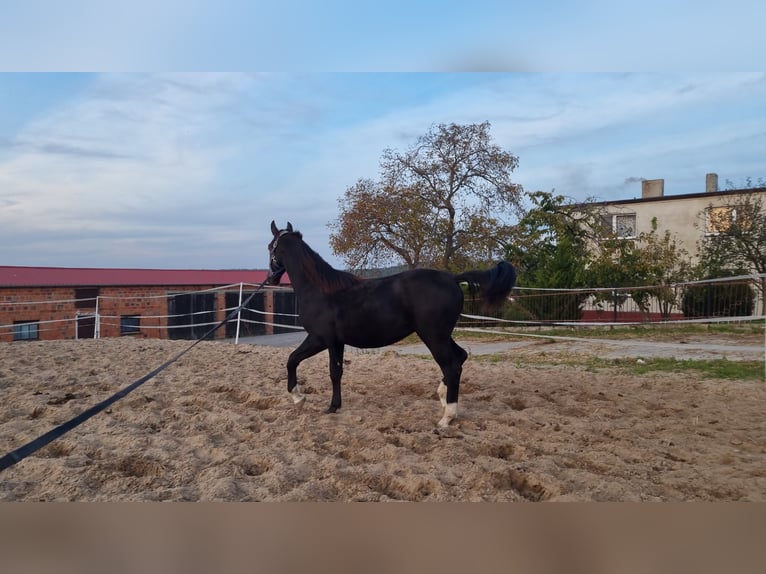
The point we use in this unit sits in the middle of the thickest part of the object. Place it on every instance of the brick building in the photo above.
(44, 303)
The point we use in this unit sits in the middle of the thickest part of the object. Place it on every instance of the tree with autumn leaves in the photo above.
(445, 203)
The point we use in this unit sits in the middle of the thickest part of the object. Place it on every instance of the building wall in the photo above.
(151, 303)
(58, 304)
(50, 304)
(684, 217)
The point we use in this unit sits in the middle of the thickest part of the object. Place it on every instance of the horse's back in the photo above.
(429, 292)
(407, 292)
(381, 311)
(430, 281)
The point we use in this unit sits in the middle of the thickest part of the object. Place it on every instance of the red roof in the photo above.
(93, 277)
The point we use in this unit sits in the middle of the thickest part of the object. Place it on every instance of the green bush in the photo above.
(551, 306)
(718, 300)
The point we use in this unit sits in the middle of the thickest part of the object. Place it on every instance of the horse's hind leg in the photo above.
(336, 373)
(450, 357)
(453, 383)
(308, 348)
(461, 356)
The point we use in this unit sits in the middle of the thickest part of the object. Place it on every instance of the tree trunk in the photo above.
(449, 248)
(763, 295)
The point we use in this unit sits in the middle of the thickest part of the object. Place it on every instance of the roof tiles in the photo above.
(11, 276)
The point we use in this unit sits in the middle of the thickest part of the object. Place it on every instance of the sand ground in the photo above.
(219, 425)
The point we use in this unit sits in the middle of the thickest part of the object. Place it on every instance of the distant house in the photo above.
(43, 303)
(690, 217)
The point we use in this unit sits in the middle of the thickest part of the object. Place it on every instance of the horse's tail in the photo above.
(494, 284)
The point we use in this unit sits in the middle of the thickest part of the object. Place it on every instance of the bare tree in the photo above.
(441, 203)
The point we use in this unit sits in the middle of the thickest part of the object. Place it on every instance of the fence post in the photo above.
(236, 337)
(97, 321)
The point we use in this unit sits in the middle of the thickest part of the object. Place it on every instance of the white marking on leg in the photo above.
(450, 412)
(296, 395)
(441, 390)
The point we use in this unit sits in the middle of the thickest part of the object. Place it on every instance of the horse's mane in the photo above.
(321, 274)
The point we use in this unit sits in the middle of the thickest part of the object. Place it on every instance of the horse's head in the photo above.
(276, 268)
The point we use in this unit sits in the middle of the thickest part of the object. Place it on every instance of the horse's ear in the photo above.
(289, 227)
(274, 230)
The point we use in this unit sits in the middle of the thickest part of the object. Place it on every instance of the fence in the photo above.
(738, 298)
(186, 315)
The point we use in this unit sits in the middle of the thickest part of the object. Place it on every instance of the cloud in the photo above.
(147, 167)
(66, 150)
(127, 134)
(106, 163)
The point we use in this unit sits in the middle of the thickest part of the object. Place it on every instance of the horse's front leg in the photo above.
(308, 348)
(336, 373)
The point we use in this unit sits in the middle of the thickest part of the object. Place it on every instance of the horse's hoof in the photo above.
(450, 412)
(331, 409)
(297, 396)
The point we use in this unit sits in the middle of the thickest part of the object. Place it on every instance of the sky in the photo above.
(199, 122)
(187, 170)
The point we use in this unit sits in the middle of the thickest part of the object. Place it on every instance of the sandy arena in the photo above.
(219, 426)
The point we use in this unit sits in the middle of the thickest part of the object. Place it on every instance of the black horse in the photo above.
(338, 308)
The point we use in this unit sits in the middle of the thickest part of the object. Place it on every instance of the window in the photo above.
(622, 225)
(85, 297)
(25, 331)
(130, 324)
(719, 219)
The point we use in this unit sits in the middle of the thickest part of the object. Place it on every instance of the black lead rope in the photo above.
(31, 447)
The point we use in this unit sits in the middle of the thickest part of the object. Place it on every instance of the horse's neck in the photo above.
(299, 281)
(310, 274)
(296, 267)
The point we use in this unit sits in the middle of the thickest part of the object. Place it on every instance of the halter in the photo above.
(275, 242)
(277, 238)
(275, 267)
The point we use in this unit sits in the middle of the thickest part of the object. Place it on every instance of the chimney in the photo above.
(711, 183)
(652, 188)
